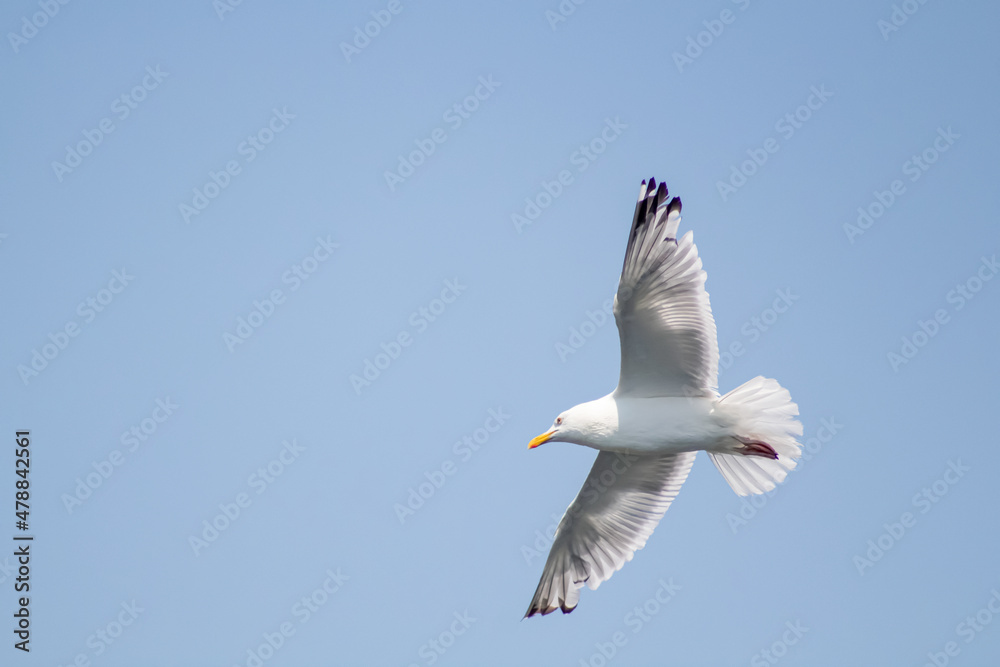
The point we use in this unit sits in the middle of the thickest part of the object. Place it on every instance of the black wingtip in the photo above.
(658, 190)
(534, 610)
(654, 199)
(537, 611)
(651, 197)
(662, 192)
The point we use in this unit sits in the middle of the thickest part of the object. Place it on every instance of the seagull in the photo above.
(665, 409)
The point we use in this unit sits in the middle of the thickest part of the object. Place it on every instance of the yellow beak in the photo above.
(542, 439)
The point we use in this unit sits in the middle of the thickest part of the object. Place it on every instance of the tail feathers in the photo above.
(764, 412)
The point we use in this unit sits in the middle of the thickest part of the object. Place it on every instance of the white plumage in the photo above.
(666, 407)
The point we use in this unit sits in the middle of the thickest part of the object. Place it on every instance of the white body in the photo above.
(663, 424)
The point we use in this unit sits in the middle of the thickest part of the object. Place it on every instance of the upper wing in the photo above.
(665, 323)
(621, 502)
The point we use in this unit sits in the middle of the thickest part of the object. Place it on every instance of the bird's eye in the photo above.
(558, 420)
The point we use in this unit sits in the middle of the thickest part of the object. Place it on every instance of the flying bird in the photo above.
(665, 409)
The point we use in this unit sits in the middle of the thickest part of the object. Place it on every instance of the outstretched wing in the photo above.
(621, 502)
(665, 323)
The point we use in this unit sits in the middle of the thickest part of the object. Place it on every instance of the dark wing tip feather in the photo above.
(535, 610)
(645, 208)
(661, 193)
(654, 202)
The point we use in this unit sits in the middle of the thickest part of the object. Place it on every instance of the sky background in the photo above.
(448, 581)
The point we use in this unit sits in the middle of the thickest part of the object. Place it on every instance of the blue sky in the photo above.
(217, 222)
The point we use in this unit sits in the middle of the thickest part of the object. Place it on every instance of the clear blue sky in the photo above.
(208, 231)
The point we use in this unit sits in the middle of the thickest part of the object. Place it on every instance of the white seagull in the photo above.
(666, 407)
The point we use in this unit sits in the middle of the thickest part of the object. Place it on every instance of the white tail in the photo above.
(764, 412)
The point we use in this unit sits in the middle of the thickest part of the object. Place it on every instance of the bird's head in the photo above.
(566, 428)
(589, 424)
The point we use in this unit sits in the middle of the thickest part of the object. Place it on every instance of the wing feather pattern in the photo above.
(668, 338)
(620, 504)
